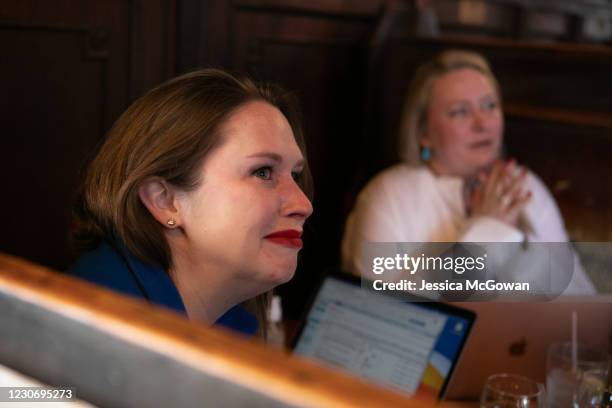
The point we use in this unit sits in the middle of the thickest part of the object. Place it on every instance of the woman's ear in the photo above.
(424, 140)
(158, 196)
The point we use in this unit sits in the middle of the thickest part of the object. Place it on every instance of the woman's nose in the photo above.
(478, 120)
(295, 202)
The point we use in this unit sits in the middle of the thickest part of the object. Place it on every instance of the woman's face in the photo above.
(246, 217)
(464, 123)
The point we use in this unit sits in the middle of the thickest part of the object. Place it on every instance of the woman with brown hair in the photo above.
(452, 185)
(196, 198)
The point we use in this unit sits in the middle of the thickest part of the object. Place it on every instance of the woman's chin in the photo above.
(285, 278)
(281, 272)
(482, 162)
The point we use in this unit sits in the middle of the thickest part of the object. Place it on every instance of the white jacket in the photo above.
(411, 204)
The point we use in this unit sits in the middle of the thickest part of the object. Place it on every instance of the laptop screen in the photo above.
(409, 346)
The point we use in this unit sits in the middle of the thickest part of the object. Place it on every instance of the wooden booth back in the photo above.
(117, 351)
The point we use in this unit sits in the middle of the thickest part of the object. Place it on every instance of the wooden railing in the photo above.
(118, 351)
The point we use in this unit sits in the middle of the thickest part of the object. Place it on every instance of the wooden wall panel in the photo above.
(53, 110)
(574, 161)
(69, 69)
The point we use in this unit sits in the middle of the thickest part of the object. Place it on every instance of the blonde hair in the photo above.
(416, 104)
(166, 133)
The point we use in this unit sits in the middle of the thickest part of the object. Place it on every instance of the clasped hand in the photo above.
(500, 193)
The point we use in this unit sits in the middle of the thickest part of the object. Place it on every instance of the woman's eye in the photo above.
(458, 112)
(264, 173)
(490, 106)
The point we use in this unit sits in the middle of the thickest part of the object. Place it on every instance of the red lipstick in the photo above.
(288, 238)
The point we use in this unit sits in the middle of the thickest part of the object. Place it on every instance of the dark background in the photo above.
(70, 67)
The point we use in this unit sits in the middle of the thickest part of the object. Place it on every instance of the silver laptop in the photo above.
(514, 338)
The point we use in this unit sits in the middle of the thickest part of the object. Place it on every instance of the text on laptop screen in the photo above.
(407, 346)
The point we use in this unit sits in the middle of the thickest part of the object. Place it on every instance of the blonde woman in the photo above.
(452, 185)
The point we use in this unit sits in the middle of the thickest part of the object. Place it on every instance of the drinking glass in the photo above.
(562, 378)
(590, 389)
(512, 391)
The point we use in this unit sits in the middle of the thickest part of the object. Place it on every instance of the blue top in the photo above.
(117, 269)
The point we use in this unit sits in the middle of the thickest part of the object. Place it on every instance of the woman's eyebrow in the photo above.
(273, 156)
(488, 96)
(455, 102)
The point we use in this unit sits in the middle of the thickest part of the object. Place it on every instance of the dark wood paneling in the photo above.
(69, 69)
(574, 161)
(53, 111)
(152, 58)
(321, 8)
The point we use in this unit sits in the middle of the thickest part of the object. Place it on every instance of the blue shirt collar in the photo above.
(158, 287)
(154, 281)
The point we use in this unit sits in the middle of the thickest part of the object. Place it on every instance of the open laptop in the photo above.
(514, 337)
(401, 343)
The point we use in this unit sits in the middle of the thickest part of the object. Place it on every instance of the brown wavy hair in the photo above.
(166, 133)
